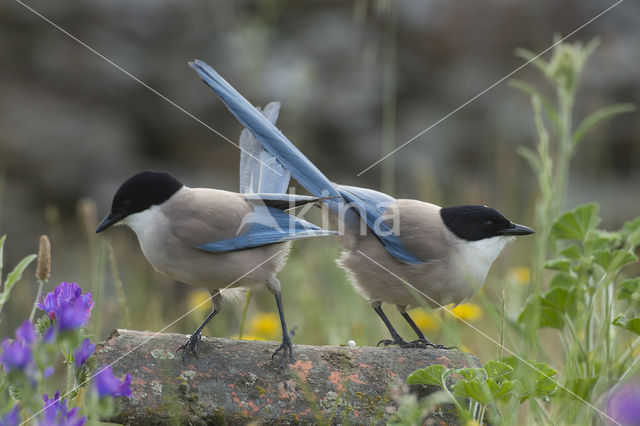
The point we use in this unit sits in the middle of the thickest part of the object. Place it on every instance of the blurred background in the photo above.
(356, 78)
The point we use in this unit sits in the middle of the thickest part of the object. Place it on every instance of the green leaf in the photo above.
(603, 240)
(574, 251)
(559, 298)
(612, 261)
(546, 316)
(563, 280)
(476, 390)
(547, 105)
(14, 276)
(496, 369)
(546, 385)
(631, 231)
(630, 324)
(502, 391)
(563, 265)
(597, 117)
(575, 224)
(629, 290)
(433, 375)
(470, 373)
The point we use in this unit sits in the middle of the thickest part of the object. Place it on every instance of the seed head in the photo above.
(44, 259)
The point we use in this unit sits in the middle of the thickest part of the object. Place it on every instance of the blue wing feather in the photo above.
(267, 225)
(303, 170)
(259, 170)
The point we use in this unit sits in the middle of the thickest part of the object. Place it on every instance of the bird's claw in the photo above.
(415, 344)
(425, 343)
(284, 347)
(191, 345)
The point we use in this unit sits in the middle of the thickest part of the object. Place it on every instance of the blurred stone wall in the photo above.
(73, 126)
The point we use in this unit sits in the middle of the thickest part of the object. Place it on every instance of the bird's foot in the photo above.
(420, 343)
(397, 342)
(191, 345)
(415, 344)
(285, 347)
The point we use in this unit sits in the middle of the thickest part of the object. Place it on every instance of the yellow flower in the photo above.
(520, 275)
(425, 321)
(265, 325)
(467, 312)
(472, 423)
(199, 299)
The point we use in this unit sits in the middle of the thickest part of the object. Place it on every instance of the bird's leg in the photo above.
(286, 336)
(191, 345)
(422, 341)
(397, 340)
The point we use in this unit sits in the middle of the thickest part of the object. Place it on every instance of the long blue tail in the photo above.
(304, 171)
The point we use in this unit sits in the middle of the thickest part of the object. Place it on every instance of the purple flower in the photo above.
(25, 333)
(56, 413)
(16, 355)
(109, 385)
(12, 418)
(67, 306)
(624, 404)
(85, 350)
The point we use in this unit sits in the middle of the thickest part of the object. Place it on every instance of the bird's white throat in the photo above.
(476, 257)
(143, 222)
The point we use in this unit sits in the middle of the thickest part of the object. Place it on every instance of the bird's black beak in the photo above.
(516, 229)
(111, 219)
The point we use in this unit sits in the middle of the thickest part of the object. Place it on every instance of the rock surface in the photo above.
(236, 382)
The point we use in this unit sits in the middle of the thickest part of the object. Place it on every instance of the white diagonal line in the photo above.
(155, 334)
(491, 339)
(491, 87)
(124, 71)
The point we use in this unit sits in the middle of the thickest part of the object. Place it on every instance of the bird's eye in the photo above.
(489, 223)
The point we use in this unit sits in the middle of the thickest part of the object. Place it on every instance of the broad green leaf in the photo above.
(560, 299)
(546, 316)
(575, 224)
(503, 390)
(13, 277)
(533, 378)
(476, 390)
(549, 109)
(434, 375)
(563, 265)
(546, 385)
(597, 117)
(603, 240)
(563, 280)
(469, 373)
(612, 261)
(631, 231)
(496, 369)
(629, 290)
(573, 251)
(631, 324)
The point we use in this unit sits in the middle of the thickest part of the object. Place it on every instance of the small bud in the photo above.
(44, 259)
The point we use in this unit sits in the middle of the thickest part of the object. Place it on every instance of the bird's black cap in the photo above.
(138, 193)
(473, 223)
